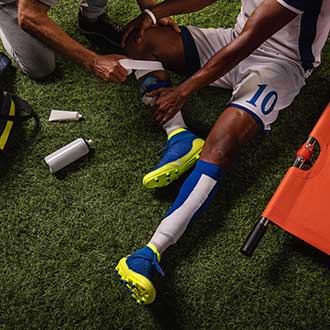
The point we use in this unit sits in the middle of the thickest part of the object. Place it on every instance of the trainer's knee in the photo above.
(222, 150)
(40, 66)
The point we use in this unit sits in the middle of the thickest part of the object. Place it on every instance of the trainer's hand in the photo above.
(167, 21)
(107, 67)
(137, 27)
(143, 22)
(169, 101)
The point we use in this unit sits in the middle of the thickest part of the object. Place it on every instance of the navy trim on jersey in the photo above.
(300, 4)
(193, 63)
(308, 32)
(251, 113)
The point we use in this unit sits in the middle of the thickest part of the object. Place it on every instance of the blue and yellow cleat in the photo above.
(136, 272)
(182, 151)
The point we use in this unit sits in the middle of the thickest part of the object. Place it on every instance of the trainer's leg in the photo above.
(165, 45)
(95, 25)
(92, 9)
(32, 56)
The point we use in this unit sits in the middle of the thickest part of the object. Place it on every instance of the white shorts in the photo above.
(262, 84)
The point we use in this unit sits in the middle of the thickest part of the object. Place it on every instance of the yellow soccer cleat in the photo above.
(182, 151)
(136, 272)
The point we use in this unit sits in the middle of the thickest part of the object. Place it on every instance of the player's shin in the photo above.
(183, 147)
(149, 82)
(195, 195)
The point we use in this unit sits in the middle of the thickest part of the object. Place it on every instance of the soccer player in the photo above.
(265, 59)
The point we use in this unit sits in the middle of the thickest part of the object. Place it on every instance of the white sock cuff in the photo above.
(175, 123)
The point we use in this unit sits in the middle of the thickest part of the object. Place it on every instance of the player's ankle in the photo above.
(175, 132)
(155, 250)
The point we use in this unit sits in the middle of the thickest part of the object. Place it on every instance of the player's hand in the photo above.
(137, 27)
(169, 102)
(107, 67)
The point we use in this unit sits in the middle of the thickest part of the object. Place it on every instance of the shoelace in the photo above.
(116, 26)
(154, 263)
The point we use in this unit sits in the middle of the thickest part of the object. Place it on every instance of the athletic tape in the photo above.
(141, 68)
(129, 64)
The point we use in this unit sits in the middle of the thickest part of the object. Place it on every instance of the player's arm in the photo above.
(33, 17)
(267, 19)
(164, 9)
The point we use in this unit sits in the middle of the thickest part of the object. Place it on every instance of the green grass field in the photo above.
(61, 236)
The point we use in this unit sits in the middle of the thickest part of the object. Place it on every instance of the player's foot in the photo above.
(103, 32)
(182, 151)
(136, 273)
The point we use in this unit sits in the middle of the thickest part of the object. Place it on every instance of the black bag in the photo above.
(13, 110)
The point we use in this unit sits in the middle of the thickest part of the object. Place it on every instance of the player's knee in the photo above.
(222, 150)
(42, 65)
(144, 50)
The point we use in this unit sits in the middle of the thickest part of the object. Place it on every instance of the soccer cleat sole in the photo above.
(140, 288)
(170, 172)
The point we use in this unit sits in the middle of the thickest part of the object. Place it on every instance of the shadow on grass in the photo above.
(165, 311)
(282, 260)
(76, 166)
(293, 130)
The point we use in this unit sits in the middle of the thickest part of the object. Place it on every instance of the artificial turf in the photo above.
(61, 236)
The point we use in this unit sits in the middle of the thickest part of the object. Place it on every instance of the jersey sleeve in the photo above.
(49, 3)
(297, 6)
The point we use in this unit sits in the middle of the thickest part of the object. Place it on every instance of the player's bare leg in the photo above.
(183, 148)
(232, 130)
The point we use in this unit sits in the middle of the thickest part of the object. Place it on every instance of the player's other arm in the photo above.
(33, 17)
(164, 9)
(266, 20)
(177, 7)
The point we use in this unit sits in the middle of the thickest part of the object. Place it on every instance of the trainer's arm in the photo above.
(161, 11)
(147, 4)
(33, 17)
(266, 20)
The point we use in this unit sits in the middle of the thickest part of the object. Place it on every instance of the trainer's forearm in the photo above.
(269, 18)
(33, 18)
(177, 7)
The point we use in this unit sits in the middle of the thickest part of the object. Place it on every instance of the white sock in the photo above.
(175, 123)
(194, 197)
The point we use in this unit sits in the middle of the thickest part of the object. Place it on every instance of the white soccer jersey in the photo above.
(303, 38)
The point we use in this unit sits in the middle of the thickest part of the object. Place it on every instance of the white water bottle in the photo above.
(68, 154)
